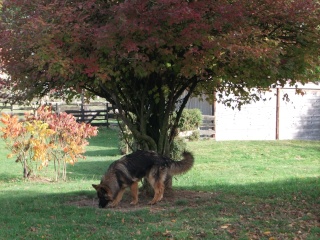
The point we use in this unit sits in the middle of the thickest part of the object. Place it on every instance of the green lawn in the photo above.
(242, 190)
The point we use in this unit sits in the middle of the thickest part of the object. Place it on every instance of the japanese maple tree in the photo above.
(148, 57)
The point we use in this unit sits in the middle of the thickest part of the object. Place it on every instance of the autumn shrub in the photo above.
(43, 137)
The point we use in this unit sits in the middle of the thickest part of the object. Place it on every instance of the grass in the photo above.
(248, 190)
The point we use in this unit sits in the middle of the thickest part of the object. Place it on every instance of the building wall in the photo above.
(298, 118)
(255, 121)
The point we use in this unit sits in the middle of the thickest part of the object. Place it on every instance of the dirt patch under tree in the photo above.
(175, 198)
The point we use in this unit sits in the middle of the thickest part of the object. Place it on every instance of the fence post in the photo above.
(278, 114)
(107, 114)
(57, 108)
(214, 106)
(82, 108)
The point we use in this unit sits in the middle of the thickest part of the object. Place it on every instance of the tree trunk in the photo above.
(25, 168)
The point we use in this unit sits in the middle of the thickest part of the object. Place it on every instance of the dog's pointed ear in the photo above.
(95, 186)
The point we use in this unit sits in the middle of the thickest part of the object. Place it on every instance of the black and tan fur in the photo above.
(127, 171)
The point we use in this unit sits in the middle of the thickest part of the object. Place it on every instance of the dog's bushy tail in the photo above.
(180, 167)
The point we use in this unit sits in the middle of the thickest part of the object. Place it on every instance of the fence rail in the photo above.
(207, 129)
(95, 118)
(96, 113)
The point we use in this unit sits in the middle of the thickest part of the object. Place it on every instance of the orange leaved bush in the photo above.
(40, 138)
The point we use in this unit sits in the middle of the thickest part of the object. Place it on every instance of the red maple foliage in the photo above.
(142, 55)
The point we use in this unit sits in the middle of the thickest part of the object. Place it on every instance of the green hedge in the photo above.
(191, 119)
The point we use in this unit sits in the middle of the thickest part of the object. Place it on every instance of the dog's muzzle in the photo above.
(103, 202)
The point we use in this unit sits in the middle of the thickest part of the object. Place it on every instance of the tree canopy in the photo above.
(148, 57)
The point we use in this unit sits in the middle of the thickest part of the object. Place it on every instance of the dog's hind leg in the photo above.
(156, 178)
(134, 192)
(158, 188)
(118, 198)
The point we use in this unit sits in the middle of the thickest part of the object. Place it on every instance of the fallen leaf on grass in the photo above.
(267, 233)
(225, 226)
(202, 234)
(167, 234)
(231, 231)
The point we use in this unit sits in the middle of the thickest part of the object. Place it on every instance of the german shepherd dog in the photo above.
(127, 171)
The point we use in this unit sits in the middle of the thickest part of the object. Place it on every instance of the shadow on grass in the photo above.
(285, 207)
(103, 153)
(6, 177)
(88, 169)
(307, 188)
(296, 145)
(103, 149)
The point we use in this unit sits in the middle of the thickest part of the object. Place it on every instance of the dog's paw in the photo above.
(153, 202)
(134, 202)
(112, 205)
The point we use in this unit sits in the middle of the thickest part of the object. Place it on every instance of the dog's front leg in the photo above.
(134, 192)
(118, 198)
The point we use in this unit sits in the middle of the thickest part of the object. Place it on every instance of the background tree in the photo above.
(143, 55)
